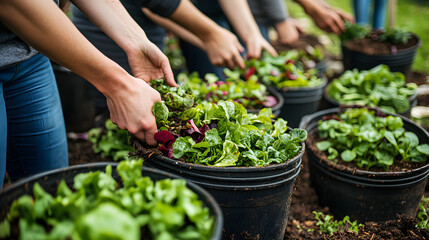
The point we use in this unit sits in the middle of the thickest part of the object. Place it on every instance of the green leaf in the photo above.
(108, 221)
(229, 155)
(423, 149)
(384, 158)
(348, 155)
(323, 145)
(160, 111)
(130, 172)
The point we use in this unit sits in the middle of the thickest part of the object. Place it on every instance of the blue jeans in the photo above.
(32, 131)
(362, 9)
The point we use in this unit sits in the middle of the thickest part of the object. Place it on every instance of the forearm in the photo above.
(189, 17)
(113, 19)
(238, 13)
(42, 25)
(175, 28)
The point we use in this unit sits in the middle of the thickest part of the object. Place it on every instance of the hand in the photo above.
(223, 49)
(327, 19)
(131, 109)
(344, 15)
(288, 31)
(147, 62)
(255, 44)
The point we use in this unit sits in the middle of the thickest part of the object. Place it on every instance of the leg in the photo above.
(379, 14)
(36, 139)
(5, 74)
(361, 10)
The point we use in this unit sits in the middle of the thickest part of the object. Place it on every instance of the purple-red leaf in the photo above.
(269, 102)
(164, 136)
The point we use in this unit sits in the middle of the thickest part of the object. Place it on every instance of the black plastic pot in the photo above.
(366, 195)
(334, 103)
(399, 62)
(76, 100)
(299, 102)
(277, 108)
(255, 200)
(50, 180)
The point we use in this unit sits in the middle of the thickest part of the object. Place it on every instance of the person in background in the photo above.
(32, 132)
(234, 16)
(362, 12)
(221, 46)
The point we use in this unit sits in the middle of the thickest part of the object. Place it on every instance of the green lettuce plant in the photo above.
(369, 139)
(98, 207)
(377, 87)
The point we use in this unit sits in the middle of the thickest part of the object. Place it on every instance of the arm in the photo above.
(175, 28)
(222, 47)
(146, 60)
(238, 13)
(42, 25)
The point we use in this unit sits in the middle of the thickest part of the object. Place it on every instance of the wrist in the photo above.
(110, 78)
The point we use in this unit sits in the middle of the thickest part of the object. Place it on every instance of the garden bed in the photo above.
(304, 201)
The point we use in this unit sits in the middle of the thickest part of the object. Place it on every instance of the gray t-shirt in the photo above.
(12, 49)
(269, 12)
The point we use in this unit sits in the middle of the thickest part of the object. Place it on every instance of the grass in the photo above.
(411, 15)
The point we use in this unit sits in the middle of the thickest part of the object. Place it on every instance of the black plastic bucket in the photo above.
(76, 100)
(334, 103)
(49, 182)
(277, 108)
(366, 195)
(399, 62)
(255, 200)
(299, 102)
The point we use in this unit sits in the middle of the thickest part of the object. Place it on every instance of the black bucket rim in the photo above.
(358, 172)
(412, 99)
(304, 89)
(168, 166)
(273, 92)
(208, 198)
(271, 167)
(251, 187)
(359, 181)
(401, 51)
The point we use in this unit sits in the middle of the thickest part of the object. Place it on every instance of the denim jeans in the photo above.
(32, 132)
(362, 10)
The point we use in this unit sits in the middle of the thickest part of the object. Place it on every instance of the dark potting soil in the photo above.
(373, 47)
(81, 152)
(397, 166)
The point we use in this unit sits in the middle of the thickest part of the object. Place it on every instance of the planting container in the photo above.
(334, 103)
(299, 102)
(399, 62)
(49, 182)
(76, 99)
(366, 195)
(277, 108)
(255, 200)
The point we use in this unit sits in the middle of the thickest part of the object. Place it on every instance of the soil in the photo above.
(372, 47)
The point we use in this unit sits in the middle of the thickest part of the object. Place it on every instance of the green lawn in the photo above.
(411, 15)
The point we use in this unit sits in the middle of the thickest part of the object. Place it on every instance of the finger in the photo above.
(270, 49)
(140, 135)
(251, 52)
(239, 61)
(149, 134)
(340, 24)
(168, 73)
(239, 46)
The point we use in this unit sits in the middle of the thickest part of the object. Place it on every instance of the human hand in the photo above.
(255, 44)
(344, 15)
(223, 49)
(147, 62)
(327, 19)
(131, 108)
(288, 31)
